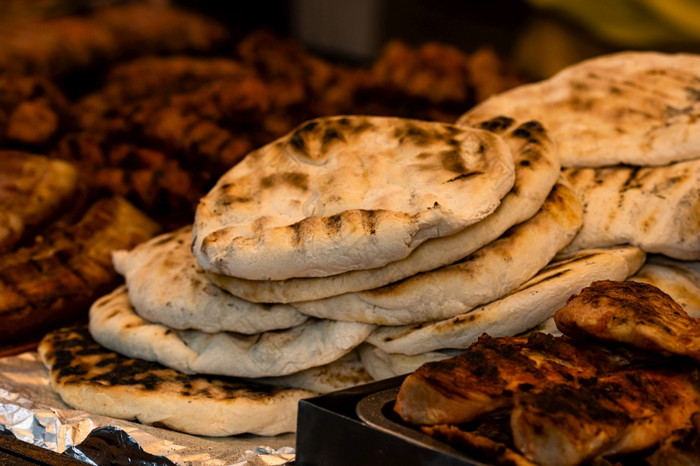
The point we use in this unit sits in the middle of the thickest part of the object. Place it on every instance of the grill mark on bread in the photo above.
(333, 224)
(369, 221)
(451, 160)
(410, 133)
(330, 136)
(532, 131)
(498, 124)
(295, 179)
(692, 94)
(297, 233)
(469, 175)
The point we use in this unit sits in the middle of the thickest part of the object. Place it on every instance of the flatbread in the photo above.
(91, 378)
(490, 273)
(348, 192)
(531, 304)
(383, 365)
(678, 279)
(345, 372)
(636, 108)
(167, 286)
(115, 325)
(536, 170)
(656, 209)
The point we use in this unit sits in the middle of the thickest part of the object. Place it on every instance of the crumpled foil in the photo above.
(33, 413)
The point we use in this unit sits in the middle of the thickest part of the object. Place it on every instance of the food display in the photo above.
(213, 233)
(569, 398)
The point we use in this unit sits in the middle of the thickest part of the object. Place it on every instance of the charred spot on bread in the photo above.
(497, 124)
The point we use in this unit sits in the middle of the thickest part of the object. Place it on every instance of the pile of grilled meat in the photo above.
(620, 386)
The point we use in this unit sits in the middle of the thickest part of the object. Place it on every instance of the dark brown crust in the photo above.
(492, 369)
(54, 281)
(630, 312)
(74, 358)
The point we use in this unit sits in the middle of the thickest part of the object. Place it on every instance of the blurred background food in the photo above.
(149, 102)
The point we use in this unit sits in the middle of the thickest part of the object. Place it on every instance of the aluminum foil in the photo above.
(33, 413)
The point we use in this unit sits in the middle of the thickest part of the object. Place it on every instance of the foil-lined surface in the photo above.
(33, 413)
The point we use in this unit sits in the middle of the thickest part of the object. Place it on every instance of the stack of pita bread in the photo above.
(360, 247)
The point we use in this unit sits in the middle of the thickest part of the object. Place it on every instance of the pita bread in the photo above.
(531, 304)
(489, 273)
(383, 365)
(656, 209)
(167, 286)
(345, 372)
(536, 171)
(636, 108)
(678, 279)
(93, 379)
(346, 193)
(548, 326)
(115, 325)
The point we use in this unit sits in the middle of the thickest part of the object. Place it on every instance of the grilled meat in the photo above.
(478, 446)
(147, 178)
(486, 375)
(33, 191)
(154, 78)
(624, 412)
(54, 281)
(32, 111)
(59, 45)
(634, 313)
(681, 448)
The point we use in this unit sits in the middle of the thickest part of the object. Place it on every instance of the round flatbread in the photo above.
(346, 193)
(488, 274)
(94, 379)
(533, 303)
(166, 285)
(345, 372)
(678, 279)
(536, 170)
(383, 365)
(115, 325)
(637, 108)
(656, 209)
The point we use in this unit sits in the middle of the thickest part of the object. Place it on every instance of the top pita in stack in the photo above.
(348, 193)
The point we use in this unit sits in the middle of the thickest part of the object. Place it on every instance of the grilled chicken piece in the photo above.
(478, 446)
(631, 312)
(624, 412)
(486, 375)
(53, 282)
(33, 189)
(681, 448)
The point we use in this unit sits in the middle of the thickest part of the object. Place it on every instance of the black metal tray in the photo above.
(357, 426)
